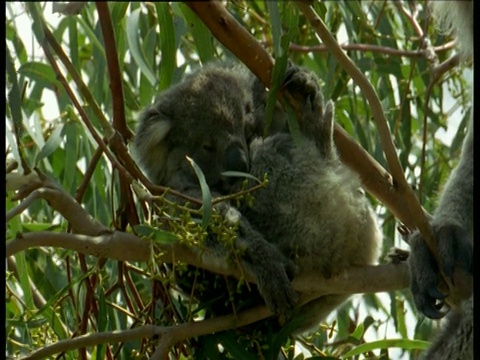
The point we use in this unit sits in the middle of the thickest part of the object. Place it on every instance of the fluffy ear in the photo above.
(153, 132)
(150, 148)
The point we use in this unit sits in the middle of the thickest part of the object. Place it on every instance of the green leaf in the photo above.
(241, 174)
(358, 332)
(22, 265)
(167, 44)
(276, 25)
(206, 194)
(51, 145)
(102, 311)
(201, 34)
(405, 344)
(278, 76)
(41, 73)
(12, 35)
(135, 47)
(157, 235)
(97, 44)
(73, 136)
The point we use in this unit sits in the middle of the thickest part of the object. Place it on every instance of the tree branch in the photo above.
(355, 281)
(97, 240)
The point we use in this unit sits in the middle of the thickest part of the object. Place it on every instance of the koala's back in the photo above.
(313, 208)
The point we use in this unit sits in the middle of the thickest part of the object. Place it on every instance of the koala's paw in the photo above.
(455, 251)
(316, 122)
(397, 256)
(303, 86)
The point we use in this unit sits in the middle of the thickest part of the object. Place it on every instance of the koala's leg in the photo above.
(453, 230)
(271, 269)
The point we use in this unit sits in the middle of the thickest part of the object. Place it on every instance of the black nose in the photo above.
(236, 158)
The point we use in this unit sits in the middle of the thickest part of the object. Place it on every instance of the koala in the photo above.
(312, 214)
(313, 208)
(452, 224)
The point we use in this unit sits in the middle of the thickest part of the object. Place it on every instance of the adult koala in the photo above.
(452, 224)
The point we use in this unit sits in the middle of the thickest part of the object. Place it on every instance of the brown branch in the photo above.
(372, 48)
(430, 54)
(230, 33)
(86, 178)
(84, 341)
(113, 67)
(97, 240)
(368, 278)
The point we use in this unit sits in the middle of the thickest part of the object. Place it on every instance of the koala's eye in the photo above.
(248, 108)
(208, 147)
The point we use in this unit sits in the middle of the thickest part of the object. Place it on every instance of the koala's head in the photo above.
(205, 117)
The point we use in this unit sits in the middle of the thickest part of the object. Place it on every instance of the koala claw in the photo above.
(455, 250)
(303, 86)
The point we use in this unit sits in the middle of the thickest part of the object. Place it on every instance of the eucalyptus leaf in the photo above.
(158, 235)
(51, 144)
(136, 48)
(206, 194)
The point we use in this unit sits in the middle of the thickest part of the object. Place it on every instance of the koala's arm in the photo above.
(316, 122)
(452, 226)
(452, 222)
(271, 269)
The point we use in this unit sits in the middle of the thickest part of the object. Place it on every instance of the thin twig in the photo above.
(372, 48)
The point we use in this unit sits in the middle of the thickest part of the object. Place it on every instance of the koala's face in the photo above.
(205, 118)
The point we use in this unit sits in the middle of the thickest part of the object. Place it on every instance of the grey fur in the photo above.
(312, 213)
(452, 222)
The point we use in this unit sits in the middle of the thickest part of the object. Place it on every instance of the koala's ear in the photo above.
(153, 131)
(150, 149)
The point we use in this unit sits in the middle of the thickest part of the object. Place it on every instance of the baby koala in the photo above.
(313, 208)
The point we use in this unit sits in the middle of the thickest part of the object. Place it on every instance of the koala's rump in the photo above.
(312, 207)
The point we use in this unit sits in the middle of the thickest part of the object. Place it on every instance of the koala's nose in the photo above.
(236, 159)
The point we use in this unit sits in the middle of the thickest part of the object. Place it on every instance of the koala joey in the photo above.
(313, 208)
(452, 224)
(311, 216)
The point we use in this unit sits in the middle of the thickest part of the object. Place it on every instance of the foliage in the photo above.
(56, 294)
